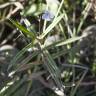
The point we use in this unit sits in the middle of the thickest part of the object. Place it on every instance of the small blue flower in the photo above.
(48, 16)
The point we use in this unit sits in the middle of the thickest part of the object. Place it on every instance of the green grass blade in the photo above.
(23, 29)
(13, 88)
(73, 39)
(26, 60)
(19, 55)
(75, 89)
(85, 14)
(61, 4)
(53, 69)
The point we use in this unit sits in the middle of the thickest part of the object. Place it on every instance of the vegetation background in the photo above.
(47, 48)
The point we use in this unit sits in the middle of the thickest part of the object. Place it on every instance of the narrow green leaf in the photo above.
(53, 69)
(23, 29)
(19, 55)
(26, 60)
(12, 89)
(73, 39)
(78, 83)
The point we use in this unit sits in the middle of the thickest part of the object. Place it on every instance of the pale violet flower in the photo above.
(48, 16)
(52, 7)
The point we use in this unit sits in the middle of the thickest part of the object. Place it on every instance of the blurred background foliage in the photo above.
(47, 58)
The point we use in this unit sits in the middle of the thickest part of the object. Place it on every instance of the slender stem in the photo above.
(61, 4)
(85, 14)
(44, 26)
